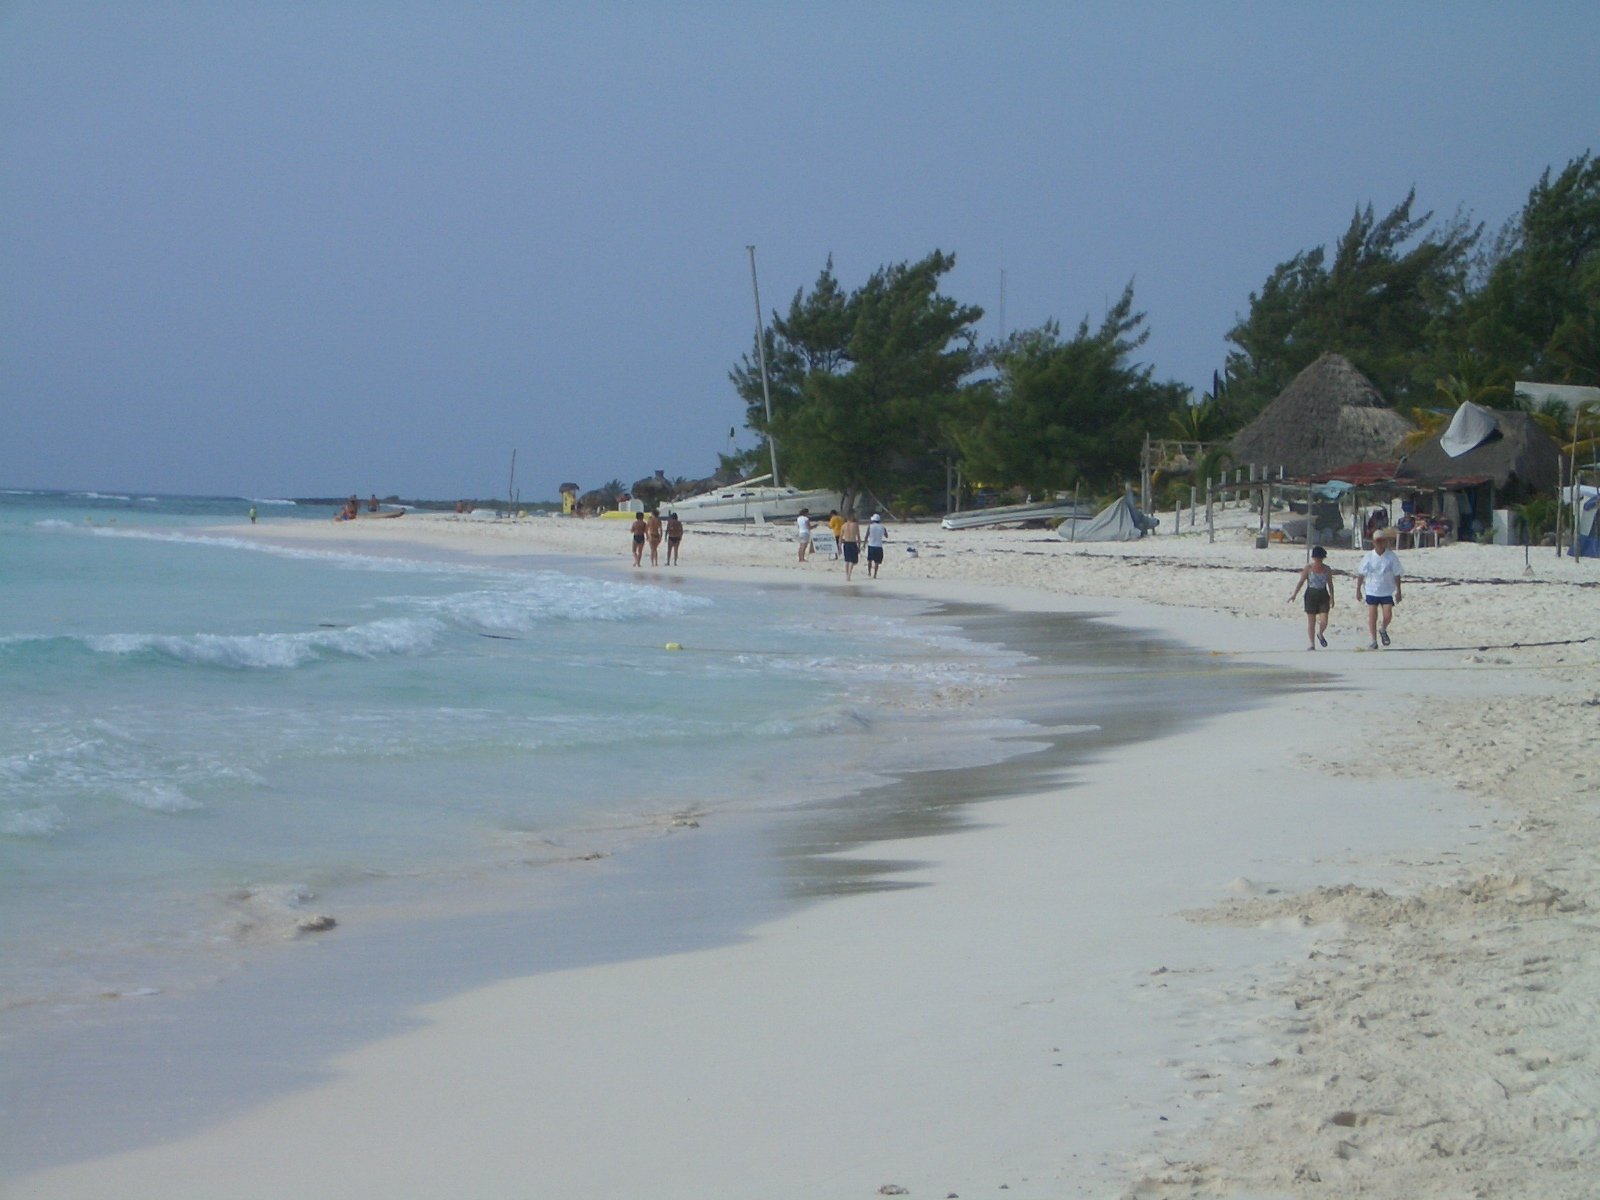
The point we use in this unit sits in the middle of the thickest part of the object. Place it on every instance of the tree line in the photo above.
(887, 390)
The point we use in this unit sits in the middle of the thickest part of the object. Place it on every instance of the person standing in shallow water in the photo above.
(1378, 581)
(1317, 579)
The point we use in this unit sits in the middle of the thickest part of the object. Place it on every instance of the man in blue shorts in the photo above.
(1378, 580)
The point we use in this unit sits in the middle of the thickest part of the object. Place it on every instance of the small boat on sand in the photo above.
(750, 501)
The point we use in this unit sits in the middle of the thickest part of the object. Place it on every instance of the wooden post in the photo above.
(1144, 475)
(1211, 528)
(1193, 496)
(1561, 503)
(1310, 525)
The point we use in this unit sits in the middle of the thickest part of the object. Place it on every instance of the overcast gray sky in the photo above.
(284, 248)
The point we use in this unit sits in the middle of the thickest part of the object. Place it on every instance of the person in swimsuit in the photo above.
(1317, 579)
(638, 529)
(674, 536)
(652, 530)
(850, 544)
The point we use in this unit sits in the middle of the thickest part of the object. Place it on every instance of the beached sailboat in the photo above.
(749, 500)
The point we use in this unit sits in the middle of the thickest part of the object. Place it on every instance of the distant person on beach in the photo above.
(850, 544)
(674, 536)
(252, 514)
(372, 505)
(652, 530)
(1378, 582)
(835, 526)
(876, 536)
(1317, 580)
(802, 532)
(638, 529)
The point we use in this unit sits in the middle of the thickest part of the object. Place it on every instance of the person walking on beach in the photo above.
(1378, 580)
(835, 526)
(638, 529)
(1317, 579)
(252, 514)
(876, 536)
(850, 544)
(802, 532)
(652, 530)
(674, 536)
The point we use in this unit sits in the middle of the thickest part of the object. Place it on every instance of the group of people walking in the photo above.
(650, 528)
(848, 539)
(1377, 584)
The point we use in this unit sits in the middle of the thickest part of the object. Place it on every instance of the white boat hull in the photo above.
(753, 504)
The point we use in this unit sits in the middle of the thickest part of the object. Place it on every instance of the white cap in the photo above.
(876, 517)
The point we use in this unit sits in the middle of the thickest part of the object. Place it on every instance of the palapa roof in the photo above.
(1520, 459)
(1329, 414)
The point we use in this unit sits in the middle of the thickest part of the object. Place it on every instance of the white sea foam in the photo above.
(269, 500)
(277, 651)
(157, 797)
(41, 822)
(551, 596)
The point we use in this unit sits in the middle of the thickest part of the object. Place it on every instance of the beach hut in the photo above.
(1329, 414)
(1485, 458)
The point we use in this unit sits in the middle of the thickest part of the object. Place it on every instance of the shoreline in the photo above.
(955, 1097)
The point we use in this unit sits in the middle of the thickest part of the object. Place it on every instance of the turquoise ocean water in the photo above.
(204, 739)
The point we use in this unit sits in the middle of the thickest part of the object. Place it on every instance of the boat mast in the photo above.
(761, 351)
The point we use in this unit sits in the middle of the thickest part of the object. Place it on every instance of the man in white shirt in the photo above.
(876, 536)
(1378, 580)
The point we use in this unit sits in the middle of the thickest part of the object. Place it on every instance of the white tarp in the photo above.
(1469, 429)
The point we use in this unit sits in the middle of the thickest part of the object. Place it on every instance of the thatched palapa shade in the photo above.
(1518, 457)
(1329, 414)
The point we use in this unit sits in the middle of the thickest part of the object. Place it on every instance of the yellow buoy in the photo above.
(673, 646)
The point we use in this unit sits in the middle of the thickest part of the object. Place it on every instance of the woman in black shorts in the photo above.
(1317, 578)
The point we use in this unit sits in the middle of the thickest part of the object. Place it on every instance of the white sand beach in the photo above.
(1342, 945)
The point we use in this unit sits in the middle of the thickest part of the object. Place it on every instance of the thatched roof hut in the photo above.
(1518, 458)
(1329, 414)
